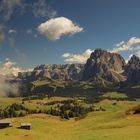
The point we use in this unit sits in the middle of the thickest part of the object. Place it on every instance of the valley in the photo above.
(98, 100)
(69, 70)
(113, 123)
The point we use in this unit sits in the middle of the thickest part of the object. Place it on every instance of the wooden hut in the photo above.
(25, 126)
(5, 123)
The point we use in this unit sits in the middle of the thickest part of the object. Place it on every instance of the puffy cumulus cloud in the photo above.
(9, 68)
(7, 8)
(133, 40)
(54, 28)
(130, 45)
(42, 9)
(77, 58)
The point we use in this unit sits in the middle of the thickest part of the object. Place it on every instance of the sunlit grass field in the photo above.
(112, 124)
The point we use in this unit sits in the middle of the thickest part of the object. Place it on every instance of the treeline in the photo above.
(34, 97)
(66, 109)
(70, 109)
(14, 110)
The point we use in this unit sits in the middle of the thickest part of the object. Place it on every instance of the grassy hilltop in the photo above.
(113, 123)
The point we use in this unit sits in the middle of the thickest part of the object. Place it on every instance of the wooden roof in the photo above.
(5, 121)
(25, 124)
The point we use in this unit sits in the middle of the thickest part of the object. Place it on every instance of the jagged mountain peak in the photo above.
(133, 63)
(135, 57)
(106, 56)
(97, 53)
(132, 70)
(105, 66)
(133, 60)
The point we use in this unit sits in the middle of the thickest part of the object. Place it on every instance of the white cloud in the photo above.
(7, 8)
(138, 53)
(133, 40)
(66, 55)
(12, 31)
(9, 68)
(77, 58)
(128, 58)
(42, 9)
(119, 44)
(54, 28)
(11, 37)
(7, 88)
(127, 46)
(132, 45)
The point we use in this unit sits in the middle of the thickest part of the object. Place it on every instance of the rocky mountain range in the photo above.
(54, 71)
(102, 67)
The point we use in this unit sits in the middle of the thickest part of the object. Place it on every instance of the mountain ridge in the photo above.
(102, 68)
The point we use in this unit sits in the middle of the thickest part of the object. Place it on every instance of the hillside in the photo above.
(113, 123)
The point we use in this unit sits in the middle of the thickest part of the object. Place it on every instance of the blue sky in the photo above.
(94, 24)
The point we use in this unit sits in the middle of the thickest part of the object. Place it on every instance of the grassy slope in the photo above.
(107, 125)
(114, 95)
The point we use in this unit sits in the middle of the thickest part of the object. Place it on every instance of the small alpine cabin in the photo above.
(25, 126)
(5, 123)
